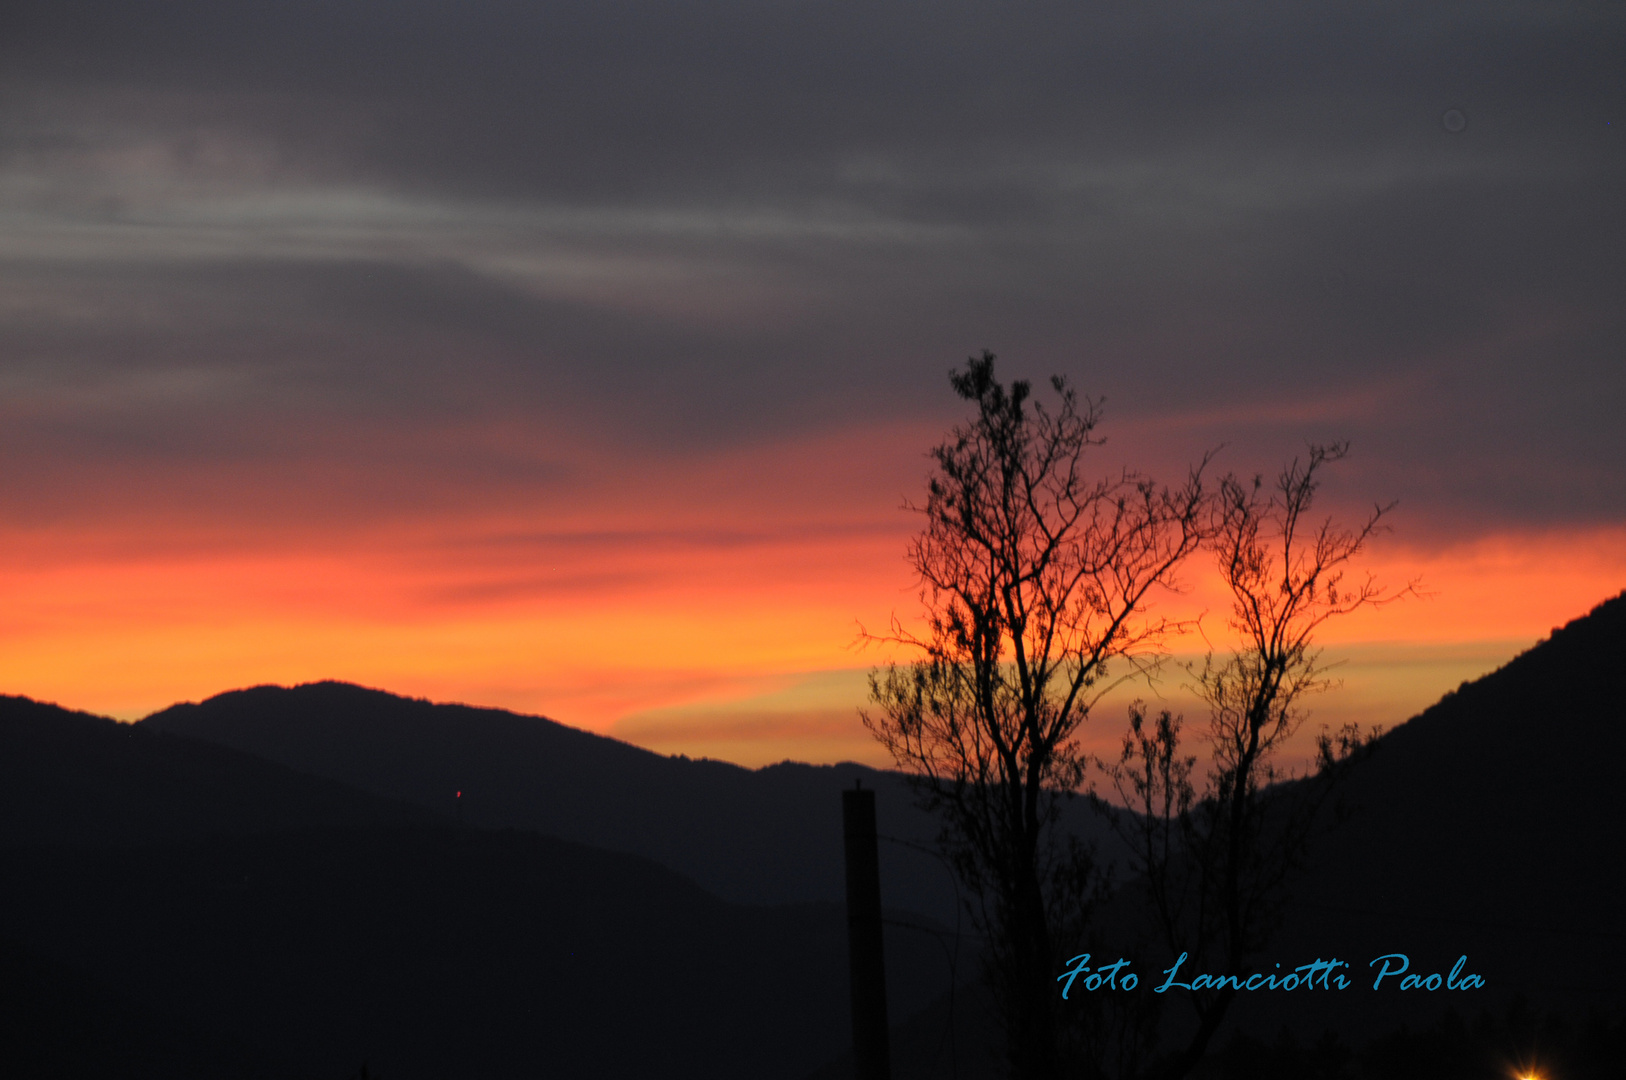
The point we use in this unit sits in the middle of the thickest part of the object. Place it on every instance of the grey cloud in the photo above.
(624, 100)
(718, 222)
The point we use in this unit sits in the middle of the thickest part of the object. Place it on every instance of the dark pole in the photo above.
(871, 1058)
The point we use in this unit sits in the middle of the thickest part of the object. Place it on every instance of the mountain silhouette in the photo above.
(281, 868)
(70, 777)
(178, 908)
(1488, 826)
(752, 836)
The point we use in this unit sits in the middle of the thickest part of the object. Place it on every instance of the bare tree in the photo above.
(1216, 868)
(1036, 583)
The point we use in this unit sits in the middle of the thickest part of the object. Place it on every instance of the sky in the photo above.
(578, 358)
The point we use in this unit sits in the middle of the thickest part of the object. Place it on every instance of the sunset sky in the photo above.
(577, 358)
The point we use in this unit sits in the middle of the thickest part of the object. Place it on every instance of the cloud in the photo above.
(250, 235)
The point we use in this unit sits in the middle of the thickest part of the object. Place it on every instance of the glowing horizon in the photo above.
(703, 625)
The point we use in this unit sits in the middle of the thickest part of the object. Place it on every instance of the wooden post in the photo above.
(867, 962)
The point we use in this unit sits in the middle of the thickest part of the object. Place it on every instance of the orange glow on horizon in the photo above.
(689, 609)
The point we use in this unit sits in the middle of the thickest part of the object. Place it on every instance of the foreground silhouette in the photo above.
(178, 909)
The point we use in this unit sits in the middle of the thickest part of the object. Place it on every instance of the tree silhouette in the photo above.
(1215, 869)
(1035, 583)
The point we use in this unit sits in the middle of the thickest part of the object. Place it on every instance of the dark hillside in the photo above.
(755, 836)
(1490, 825)
(435, 952)
(58, 1024)
(70, 777)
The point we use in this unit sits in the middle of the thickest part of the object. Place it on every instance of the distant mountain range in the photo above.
(764, 836)
(768, 835)
(274, 883)
(73, 778)
(193, 910)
